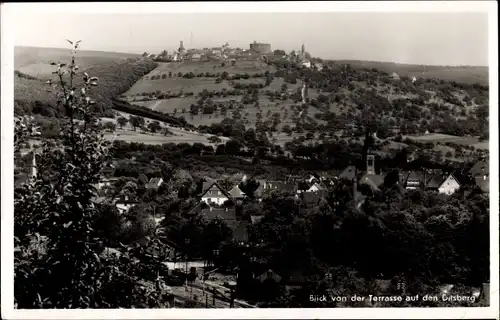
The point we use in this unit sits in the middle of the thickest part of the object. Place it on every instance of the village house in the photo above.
(154, 183)
(278, 186)
(433, 181)
(124, 204)
(237, 224)
(213, 193)
(480, 172)
(447, 185)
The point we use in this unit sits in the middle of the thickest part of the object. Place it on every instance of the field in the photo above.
(443, 138)
(36, 61)
(465, 74)
(175, 85)
(212, 66)
(179, 135)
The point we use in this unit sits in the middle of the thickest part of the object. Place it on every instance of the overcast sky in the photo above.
(418, 38)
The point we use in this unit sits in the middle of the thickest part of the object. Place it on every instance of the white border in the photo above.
(10, 11)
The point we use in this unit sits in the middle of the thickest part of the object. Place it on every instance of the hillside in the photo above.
(463, 74)
(35, 61)
(342, 99)
(117, 72)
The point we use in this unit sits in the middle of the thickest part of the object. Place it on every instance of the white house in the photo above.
(315, 188)
(154, 183)
(413, 79)
(214, 194)
(318, 66)
(125, 204)
(449, 186)
(306, 64)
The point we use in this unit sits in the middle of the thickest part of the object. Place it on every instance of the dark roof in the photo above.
(373, 180)
(482, 183)
(435, 181)
(270, 274)
(313, 197)
(240, 232)
(256, 219)
(349, 173)
(236, 192)
(183, 174)
(416, 176)
(480, 168)
(223, 213)
(279, 185)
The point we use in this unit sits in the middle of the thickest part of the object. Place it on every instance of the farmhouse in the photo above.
(448, 185)
(480, 172)
(124, 204)
(437, 181)
(213, 193)
(154, 183)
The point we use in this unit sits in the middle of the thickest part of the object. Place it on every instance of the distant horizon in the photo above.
(416, 38)
(326, 59)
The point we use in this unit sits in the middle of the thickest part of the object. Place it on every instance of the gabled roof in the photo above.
(236, 192)
(435, 181)
(481, 168)
(444, 178)
(260, 188)
(482, 183)
(271, 275)
(416, 176)
(240, 232)
(311, 198)
(373, 180)
(183, 174)
(208, 186)
(349, 173)
(279, 185)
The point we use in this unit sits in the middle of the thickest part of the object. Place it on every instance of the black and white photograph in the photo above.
(199, 156)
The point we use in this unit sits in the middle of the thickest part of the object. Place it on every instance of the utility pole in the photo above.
(213, 296)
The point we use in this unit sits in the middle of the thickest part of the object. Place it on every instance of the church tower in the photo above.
(370, 164)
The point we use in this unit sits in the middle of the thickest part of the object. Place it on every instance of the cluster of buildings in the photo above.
(216, 201)
(215, 53)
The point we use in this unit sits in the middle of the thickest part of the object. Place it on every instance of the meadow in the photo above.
(175, 85)
(463, 74)
(243, 66)
(443, 138)
(36, 61)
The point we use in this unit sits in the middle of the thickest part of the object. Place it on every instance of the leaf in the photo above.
(66, 225)
(71, 42)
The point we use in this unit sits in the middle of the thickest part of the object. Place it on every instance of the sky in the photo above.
(455, 38)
